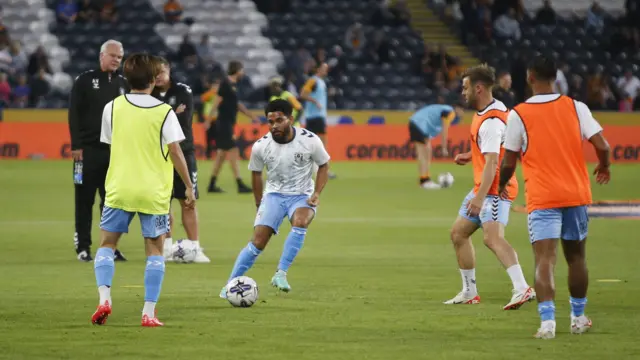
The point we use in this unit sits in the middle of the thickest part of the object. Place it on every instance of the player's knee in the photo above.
(300, 223)
(186, 209)
(492, 240)
(261, 237)
(457, 237)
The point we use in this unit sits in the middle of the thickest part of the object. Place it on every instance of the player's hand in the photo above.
(602, 174)
(474, 206)
(463, 159)
(76, 154)
(314, 200)
(502, 191)
(190, 201)
(443, 150)
(181, 108)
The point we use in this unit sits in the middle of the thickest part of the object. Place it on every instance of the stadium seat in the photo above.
(345, 120)
(234, 28)
(376, 120)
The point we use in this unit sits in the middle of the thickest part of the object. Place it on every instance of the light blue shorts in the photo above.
(117, 221)
(275, 207)
(493, 209)
(570, 223)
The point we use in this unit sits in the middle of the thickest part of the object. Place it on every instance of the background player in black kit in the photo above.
(180, 97)
(228, 108)
(91, 91)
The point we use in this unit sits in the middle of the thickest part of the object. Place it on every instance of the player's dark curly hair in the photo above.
(543, 68)
(279, 105)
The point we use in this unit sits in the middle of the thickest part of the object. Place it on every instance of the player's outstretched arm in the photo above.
(256, 184)
(177, 158)
(603, 151)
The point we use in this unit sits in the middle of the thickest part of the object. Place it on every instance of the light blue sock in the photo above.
(292, 246)
(104, 266)
(245, 260)
(577, 305)
(153, 276)
(547, 310)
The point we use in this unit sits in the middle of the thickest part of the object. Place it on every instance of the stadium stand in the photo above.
(585, 51)
(134, 28)
(234, 32)
(365, 80)
(28, 21)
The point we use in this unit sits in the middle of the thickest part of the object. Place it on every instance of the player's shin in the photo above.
(574, 252)
(190, 222)
(292, 246)
(104, 267)
(153, 277)
(545, 258)
(245, 260)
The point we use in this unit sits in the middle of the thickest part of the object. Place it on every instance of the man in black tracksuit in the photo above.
(180, 97)
(92, 90)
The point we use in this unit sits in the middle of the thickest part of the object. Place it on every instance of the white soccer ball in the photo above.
(242, 291)
(184, 251)
(445, 180)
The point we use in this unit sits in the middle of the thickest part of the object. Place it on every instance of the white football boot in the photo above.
(431, 185)
(547, 330)
(463, 299)
(519, 298)
(201, 258)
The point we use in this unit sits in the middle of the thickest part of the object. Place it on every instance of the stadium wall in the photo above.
(50, 140)
(335, 116)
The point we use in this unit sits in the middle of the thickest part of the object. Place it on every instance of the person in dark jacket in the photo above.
(180, 97)
(91, 91)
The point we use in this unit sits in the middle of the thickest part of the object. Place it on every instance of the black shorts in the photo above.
(179, 188)
(415, 134)
(317, 125)
(224, 137)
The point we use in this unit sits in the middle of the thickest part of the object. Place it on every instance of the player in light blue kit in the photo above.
(426, 124)
(289, 153)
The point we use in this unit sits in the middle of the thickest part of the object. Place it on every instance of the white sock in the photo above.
(196, 243)
(469, 281)
(517, 277)
(105, 294)
(149, 309)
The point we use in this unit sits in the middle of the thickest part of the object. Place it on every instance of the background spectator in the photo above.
(38, 60)
(628, 86)
(172, 11)
(507, 27)
(109, 12)
(595, 19)
(67, 11)
(546, 16)
(21, 92)
(355, 39)
(39, 89)
(5, 90)
(87, 12)
(19, 60)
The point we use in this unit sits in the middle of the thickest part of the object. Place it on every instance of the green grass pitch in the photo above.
(369, 283)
